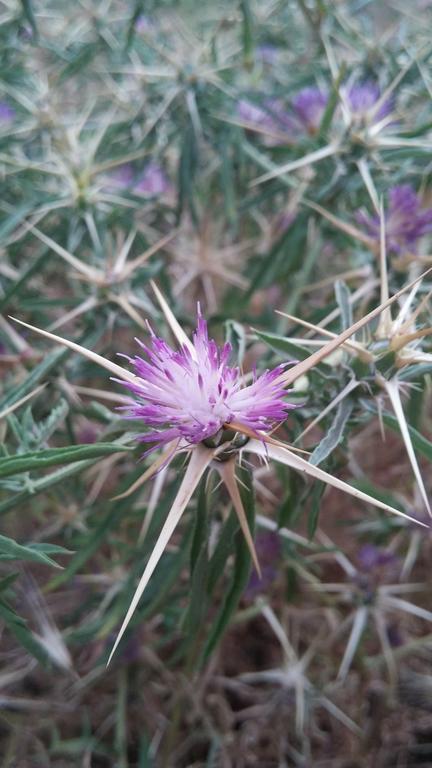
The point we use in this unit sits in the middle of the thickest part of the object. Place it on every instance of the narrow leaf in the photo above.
(13, 465)
(11, 550)
(335, 434)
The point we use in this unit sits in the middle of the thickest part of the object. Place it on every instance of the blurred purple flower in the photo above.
(88, 434)
(394, 635)
(362, 98)
(121, 177)
(309, 106)
(7, 113)
(255, 115)
(268, 549)
(267, 53)
(152, 182)
(371, 557)
(406, 221)
(305, 114)
(144, 24)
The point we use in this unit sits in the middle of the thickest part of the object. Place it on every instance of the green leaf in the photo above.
(35, 266)
(332, 103)
(291, 351)
(316, 495)
(241, 570)
(248, 32)
(29, 15)
(335, 434)
(17, 626)
(280, 344)
(222, 552)
(343, 299)
(415, 371)
(33, 379)
(13, 465)
(35, 553)
(48, 481)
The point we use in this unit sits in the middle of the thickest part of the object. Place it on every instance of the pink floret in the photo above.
(190, 395)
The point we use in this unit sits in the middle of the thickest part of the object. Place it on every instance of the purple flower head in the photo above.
(121, 177)
(309, 105)
(267, 53)
(191, 393)
(88, 434)
(7, 113)
(375, 565)
(307, 110)
(255, 115)
(371, 558)
(153, 181)
(144, 24)
(270, 117)
(362, 99)
(405, 220)
(268, 549)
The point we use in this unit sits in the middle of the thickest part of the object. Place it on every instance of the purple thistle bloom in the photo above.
(371, 557)
(153, 181)
(7, 113)
(259, 116)
(307, 109)
(269, 551)
(362, 98)
(144, 24)
(309, 105)
(191, 393)
(271, 118)
(267, 53)
(121, 177)
(405, 220)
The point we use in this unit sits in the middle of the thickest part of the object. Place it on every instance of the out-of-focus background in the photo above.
(271, 161)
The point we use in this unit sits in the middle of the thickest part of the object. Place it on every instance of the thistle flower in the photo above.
(152, 182)
(309, 105)
(372, 597)
(268, 547)
(267, 53)
(270, 119)
(371, 557)
(144, 24)
(122, 177)
(192, 399)
(363, 100)
(255, 115)
(305, 114)
(192, 393)
(406, 221)
(7, 113)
